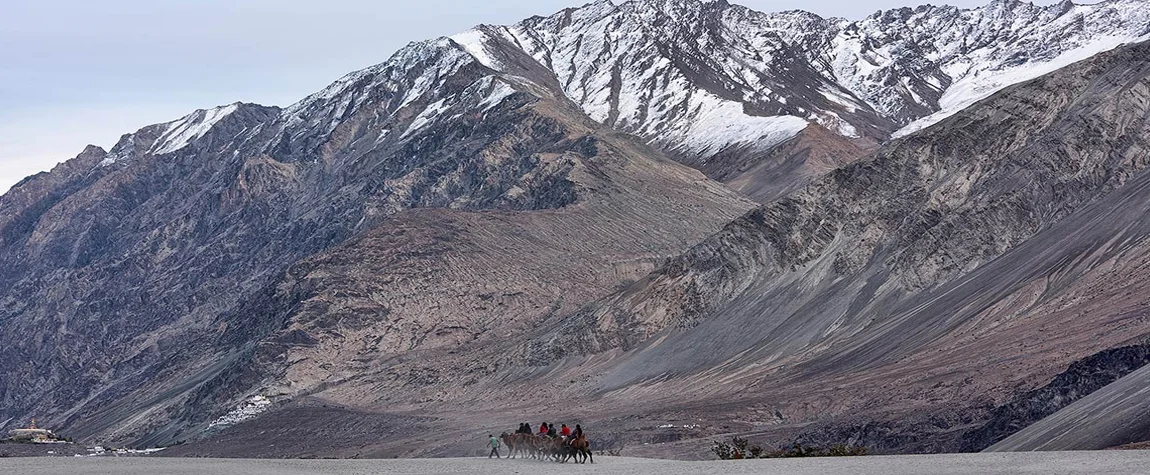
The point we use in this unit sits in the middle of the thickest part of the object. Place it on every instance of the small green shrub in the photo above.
(844, 450)
(723, 450)
(740, 448)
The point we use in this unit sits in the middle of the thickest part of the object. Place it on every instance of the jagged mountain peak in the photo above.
(177, 135)
(441, 53)
(676, 9)
(676, 71)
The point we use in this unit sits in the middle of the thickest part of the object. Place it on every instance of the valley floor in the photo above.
(1117, 462)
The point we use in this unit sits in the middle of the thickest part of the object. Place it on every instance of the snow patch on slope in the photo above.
(499, 91)
(475, 43)
(412, 74)
(424, 118)
(123, 150)
(716, 125)
(982, 84)
(484, 94)
(180, 133)
(850, 103)
(835, 123)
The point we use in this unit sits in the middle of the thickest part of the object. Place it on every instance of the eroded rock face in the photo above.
(925, 210)
(434, 301)
(891, 303)
(1111, 417)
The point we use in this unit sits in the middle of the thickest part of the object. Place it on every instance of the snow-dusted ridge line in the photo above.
(983, 84)
(433, 60)
(700, 77)
(473, 43)
(943, 58)
(949, 53)
(173, 136)
(180, 133)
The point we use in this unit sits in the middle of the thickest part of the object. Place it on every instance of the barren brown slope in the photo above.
(129, 274)
(389, 311)
(788, 167)
(418, 314)
(955, 269)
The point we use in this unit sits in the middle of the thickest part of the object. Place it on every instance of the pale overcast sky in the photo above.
(74, 72)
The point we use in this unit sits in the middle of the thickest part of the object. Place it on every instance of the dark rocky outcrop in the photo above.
(1113, 416)
(1082, 378)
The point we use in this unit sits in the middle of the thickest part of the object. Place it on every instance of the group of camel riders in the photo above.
(557, 444)
(549, 430)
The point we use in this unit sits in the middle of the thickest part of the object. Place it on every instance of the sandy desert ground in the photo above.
(1107, 462)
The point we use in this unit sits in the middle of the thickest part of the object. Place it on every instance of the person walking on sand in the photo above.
(494, 442)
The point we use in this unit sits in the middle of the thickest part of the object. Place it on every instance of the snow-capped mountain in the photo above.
(702, 76)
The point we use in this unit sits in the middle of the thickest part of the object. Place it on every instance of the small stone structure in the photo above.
(32, 434)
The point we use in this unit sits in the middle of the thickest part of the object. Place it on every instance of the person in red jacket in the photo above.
(543, 429)
(565, 431)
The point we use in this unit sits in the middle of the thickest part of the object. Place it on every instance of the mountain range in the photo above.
(671, 220)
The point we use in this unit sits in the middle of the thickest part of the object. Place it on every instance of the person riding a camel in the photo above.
(565, 431)
(578, 432)
(543, 429)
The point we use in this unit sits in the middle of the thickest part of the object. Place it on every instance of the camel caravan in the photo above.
(549, 444)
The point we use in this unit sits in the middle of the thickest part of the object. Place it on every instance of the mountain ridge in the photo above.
(845, 56)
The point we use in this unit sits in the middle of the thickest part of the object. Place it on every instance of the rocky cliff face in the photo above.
(892, 303)
(1111, 417)
(925, 210)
